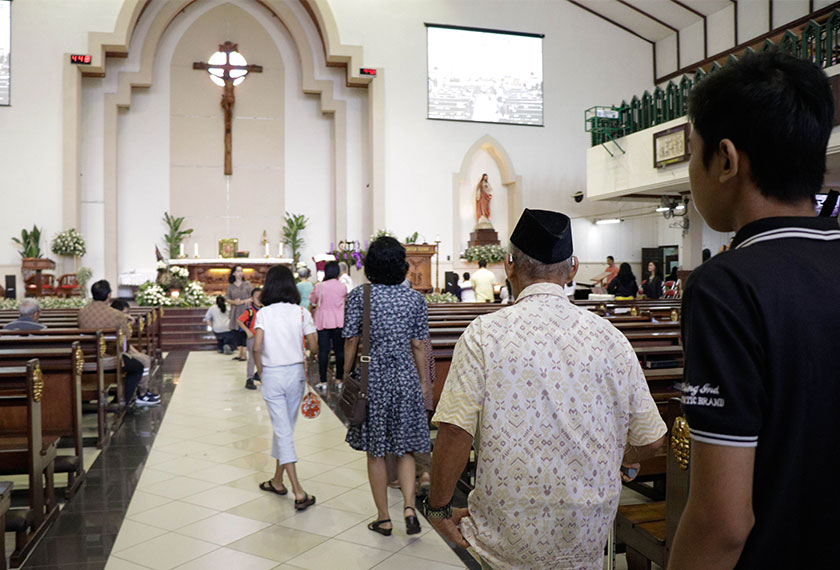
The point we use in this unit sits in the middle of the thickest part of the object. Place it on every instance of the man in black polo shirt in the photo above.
(761, 324)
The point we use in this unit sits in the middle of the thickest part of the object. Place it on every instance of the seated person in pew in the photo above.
(556, 401)
(761, 391)
(99, 314)
(624, 285)
(29, 312)
(144, 396)
(467, 291)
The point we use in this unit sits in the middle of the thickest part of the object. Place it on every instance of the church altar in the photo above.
(214, 273)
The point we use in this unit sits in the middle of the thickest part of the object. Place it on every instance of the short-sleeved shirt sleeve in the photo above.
(308, 323)
(462, 396)
(646, 425)
(353, 313)
(419, 327)
(723, 395)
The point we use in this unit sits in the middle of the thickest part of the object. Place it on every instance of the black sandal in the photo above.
(269, 486)
(412, 525)
(304, 503)
(376, 526)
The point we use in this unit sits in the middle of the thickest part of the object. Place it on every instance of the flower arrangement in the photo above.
(488, 253)
(382, 232)
(68, 242)
(444, 297)
(180, 272)
(48, 303)
(154, 295)
(160, 265)
(356, 257)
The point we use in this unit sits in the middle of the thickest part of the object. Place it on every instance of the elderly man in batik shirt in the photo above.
(560, 402)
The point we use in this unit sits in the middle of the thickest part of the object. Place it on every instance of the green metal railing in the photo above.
(818, 43)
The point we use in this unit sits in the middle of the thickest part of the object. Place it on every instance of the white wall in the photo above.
(691, 44)
(31, 128)
(586, 62)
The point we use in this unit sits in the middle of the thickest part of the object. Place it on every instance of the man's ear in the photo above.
(574, 269)
(730, 161)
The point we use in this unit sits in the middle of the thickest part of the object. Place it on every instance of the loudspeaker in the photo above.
(11, 288)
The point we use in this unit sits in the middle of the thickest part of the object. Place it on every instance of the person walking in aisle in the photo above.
(238, 293)
(281, 329)
(396, 422)
(327, 300)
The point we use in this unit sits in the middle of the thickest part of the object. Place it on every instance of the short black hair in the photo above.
(385, 261)
(256, 290)
(610, 257)
(707, 254)
(331, 270)
(466, 275)
(280, 287)
(482, 263)
(776, 109)
(100, 290)
(231, 277)
(119, 304)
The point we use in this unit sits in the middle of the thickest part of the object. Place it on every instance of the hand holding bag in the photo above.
(354, 394)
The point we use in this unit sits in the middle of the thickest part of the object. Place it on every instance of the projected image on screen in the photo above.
(485, 76)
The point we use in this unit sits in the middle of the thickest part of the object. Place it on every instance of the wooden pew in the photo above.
(99, 371)
(33, 455)
(5, 505)
(648, 529)
(61, 369)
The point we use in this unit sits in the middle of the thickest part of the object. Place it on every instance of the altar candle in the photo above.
(266, 250)
(195, 249)
(437, 238)
(280, 250)
(332, 246)
(181, 249)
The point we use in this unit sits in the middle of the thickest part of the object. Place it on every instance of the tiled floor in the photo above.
(197, 505)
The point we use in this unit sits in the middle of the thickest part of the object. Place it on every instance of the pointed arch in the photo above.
(511, 181)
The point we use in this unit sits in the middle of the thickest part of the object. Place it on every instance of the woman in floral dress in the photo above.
(396, 422)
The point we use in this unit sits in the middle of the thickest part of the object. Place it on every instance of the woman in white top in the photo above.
(279, 333)
(467, 291)
(218, 319)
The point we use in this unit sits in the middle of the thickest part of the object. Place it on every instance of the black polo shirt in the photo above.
(761, 328)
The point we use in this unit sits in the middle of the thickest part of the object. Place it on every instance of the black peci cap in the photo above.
(544, 235)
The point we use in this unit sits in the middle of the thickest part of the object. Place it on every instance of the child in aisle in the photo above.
(246, 324)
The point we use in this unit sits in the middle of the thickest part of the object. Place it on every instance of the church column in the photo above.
(109, 187)
(71, 140)
(692, 254)
(376, 113)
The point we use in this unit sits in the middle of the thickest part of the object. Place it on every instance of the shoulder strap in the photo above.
(365, 354)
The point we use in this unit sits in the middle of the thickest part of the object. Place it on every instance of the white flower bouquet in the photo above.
(488, 253)
(160, 265)
(444, 297)
(68, 242)
(180, 272)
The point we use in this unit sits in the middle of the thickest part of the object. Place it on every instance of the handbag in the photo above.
(310, 406)
(354, 393)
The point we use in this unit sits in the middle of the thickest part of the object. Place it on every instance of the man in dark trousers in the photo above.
(762, 390)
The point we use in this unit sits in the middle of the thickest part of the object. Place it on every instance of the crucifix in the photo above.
(227, 68)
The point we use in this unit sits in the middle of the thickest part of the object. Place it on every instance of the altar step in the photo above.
(184, 329)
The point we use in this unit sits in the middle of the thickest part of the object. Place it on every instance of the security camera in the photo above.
(578, 196)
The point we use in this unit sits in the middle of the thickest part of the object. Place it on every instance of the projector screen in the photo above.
(485, 76)
(5, 50)
(820, 199)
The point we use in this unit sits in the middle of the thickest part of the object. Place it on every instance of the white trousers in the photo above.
(282, 389)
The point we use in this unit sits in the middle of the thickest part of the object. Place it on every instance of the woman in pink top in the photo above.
(328, 300)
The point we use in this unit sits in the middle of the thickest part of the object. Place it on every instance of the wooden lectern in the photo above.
(419, 258)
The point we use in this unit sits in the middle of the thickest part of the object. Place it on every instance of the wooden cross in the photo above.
(227, 74)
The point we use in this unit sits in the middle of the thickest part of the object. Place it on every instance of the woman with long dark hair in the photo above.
(624, 285)
(279, 333)
(327, 300)
(652, 286)
(238, 294)
(396, 422)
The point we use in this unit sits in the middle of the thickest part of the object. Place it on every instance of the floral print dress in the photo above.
(396, 422)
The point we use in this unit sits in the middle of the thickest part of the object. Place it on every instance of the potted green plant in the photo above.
(30, 243)
(295, 224)
(176, 235)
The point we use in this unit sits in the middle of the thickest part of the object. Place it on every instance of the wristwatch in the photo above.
(444, 512)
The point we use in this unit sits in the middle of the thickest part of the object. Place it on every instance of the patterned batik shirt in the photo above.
(552, 394)
(100, 315)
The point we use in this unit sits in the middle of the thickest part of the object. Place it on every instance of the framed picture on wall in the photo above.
(671, 146)
(228, 247)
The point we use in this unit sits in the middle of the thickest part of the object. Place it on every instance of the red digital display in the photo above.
(79, 58)
(367, 71)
